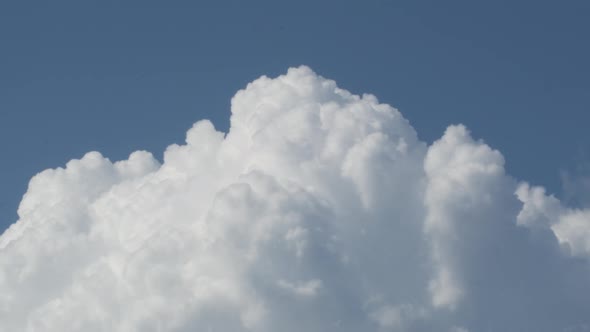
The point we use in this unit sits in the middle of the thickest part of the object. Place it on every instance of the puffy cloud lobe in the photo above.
(463, 179)
(570, 226)
(319, 210)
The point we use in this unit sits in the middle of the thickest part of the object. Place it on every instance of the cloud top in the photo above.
(319, 210)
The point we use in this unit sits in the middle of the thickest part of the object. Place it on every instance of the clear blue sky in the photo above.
(118, 76)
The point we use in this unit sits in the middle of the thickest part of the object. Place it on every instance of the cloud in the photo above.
(319, 210)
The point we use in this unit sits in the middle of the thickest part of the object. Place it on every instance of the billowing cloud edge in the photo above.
(319, 210)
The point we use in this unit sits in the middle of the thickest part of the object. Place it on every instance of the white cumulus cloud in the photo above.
(319, 210)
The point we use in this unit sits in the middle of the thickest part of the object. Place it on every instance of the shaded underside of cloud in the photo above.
(319, 210)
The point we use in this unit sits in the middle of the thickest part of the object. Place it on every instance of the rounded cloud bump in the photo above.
(319, 210)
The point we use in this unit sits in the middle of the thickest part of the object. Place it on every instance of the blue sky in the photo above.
(113, 77)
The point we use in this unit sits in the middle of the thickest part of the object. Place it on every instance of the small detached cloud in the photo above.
(318, 210)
